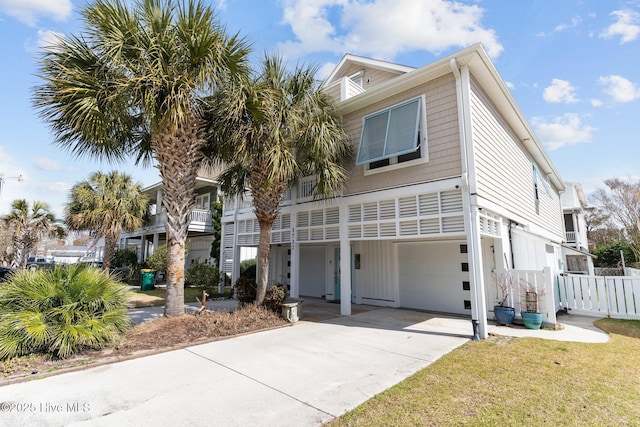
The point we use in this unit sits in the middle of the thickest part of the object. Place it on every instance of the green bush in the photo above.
(125, 258)
(60, 311)
(203, 275)
(245, 290)
(274, 297)
(609, 255)
(248, 269)
(158, 259)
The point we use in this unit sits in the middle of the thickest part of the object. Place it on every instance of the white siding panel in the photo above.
(312, 271)
(375, 280)
(504, 171)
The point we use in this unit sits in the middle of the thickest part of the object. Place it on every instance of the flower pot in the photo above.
(531, 320)
(504, 315)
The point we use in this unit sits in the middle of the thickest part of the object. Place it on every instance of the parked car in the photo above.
(34, 263)
(94, 262)
(5, 272)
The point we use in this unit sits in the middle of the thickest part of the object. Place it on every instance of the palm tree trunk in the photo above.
(110, 242)
(264, 251)
(179, 157)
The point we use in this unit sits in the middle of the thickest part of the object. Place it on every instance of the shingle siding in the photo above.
(443, 142)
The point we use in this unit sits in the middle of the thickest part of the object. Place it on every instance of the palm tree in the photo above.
(281, 129)
(30, 224)
(107, 204)
(132, 85)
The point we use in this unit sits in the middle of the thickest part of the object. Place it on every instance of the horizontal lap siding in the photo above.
(443, 140)
(504, 170)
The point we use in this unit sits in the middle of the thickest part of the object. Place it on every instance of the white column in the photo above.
(345, 263)
(294, 270)
(158, 206)
(156, 241)
(476, 276)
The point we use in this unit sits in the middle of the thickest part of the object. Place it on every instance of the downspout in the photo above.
(478, 306)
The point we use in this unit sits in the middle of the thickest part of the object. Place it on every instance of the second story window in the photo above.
(203, 201)
(393, 136)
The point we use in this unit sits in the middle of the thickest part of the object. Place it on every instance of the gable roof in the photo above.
(349, 60)
(487, 76)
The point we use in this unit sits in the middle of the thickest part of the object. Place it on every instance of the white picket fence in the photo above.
(542, 281)
(602, 296)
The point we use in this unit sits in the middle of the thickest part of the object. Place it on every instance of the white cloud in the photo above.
(28, 11)
(627, 26)
(563, 130)
(619, 88)
(4, 157)
(384, 28)
(596, 102)
(325, 70)
(560, 91)
(48, 164)
(562, 27)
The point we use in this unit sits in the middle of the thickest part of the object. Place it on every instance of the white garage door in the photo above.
(431, 277)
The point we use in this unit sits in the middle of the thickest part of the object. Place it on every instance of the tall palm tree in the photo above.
(132, 85)
(107, 204)
(281, 128)
(30, 224)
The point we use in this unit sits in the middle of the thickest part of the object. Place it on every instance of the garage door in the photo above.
(431, 277)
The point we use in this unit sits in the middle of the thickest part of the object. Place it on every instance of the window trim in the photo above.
(204, 197)
(421, 143)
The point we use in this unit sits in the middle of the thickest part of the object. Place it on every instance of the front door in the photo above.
(336, 275)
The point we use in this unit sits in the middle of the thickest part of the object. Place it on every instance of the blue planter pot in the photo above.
(504, 315)
(531, 320)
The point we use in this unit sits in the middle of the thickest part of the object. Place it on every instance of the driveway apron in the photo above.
(306, 374)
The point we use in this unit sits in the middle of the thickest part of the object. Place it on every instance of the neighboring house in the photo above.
(200, 234)
(575, 250)
(449, 187)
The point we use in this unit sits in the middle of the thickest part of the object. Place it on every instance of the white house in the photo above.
(450, 186)
(200, 232)
(575, 248)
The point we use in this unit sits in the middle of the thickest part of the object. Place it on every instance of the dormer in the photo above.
(355, 75)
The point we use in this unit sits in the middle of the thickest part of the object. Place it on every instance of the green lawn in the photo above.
(156, 296)
(520, 382)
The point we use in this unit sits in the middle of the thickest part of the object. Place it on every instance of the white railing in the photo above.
(570, 236)
(542, 282)
(202, 216)
(617, 297)
(306, 187)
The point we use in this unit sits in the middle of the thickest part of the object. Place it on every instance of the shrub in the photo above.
(248, 269)
(61, 311)
(125, 258)
(274, 297)
(158, 259)
(203, 275)
(245, 290)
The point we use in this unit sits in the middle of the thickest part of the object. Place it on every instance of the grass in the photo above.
(527, 381)
(155, 297)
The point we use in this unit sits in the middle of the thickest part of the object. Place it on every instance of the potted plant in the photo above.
(504, 314)
(531, 317)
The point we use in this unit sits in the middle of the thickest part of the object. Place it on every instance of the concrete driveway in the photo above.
(303, 375)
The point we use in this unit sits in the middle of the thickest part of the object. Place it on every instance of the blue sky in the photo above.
(573, 67)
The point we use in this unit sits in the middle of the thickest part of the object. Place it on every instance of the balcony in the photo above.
(570, 237)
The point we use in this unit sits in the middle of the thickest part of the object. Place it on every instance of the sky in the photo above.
(573, 67)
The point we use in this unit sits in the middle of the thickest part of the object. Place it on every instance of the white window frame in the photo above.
(201, 199)
(358, 78)
(422, 143)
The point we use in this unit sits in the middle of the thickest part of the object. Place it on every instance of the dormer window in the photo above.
(393, 136)
(358, 78)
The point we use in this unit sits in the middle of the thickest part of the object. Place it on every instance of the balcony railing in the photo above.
(570, 237)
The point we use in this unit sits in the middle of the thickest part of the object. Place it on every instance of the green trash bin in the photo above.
(148, 280)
